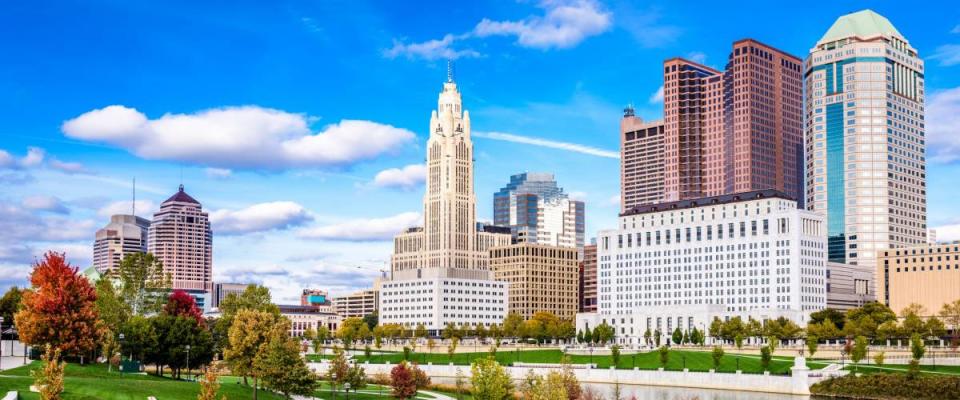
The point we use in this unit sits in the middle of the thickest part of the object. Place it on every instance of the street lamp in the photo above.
(121, 354)
(188, 362)
(346, 388)
(1, 340)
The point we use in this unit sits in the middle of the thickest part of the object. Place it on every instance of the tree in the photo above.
(210, 384)
(696, 337)
(174, 333)
(677, 336)
(717, 355)
(664, 356)
(460, 383)
(615, 355)
(111, 309)
(139, 337)
(866, 319)
(339, 369)
(59, 310)
(773, 341)
(281, 368)
(879, 358)
(402, 381)
(716, 328)
(950, 313)
(551, 387)
(812, 345)
(481, 332)
(371, 320)
(251, 330)
(109, 347)
(10, 303)
(604, 333)
(143, 283)
(656, 337)
(181, 304)
(765, 357)
(588, 336)
(646, 336)
(837, 317)
(511, 325)
(420, 332)
(420, 378)
(352, 329)
(49, 378)
(859, 350)
(912, 322)
(917, 350)
(357, 377)
(452, 348)
(320, 337)
(888, 330)
(738, 341)
(570, 380)
(934, 327)
(490, 381)
(254, 297)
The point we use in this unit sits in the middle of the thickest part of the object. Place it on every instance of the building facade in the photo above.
(864, 134)
(358, 304)
(222, 289)
(849, 286)
(753, 255)
(641, 161)
(309, 317)
(588, 279)
(314, 297)
(538, 211)
(539, 278)
(125, 234)
(180, 237)
(735, 130)
(450, 252)
(928, 275)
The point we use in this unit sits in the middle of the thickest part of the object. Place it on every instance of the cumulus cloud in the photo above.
(218, 173)
(943, 120)
(948, 233)
(360, 230)
(21, 230)
(553, 144)
(35, 158)
(408, 177)
(563, 24)
(45, 203)
(144, 208)
(337, 276)
(259, 218)
(657, 97)
(238, 137)
(948, 54)
(67, 167)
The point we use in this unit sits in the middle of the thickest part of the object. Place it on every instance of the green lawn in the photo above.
(374, 392)
(94, 382)
(889, 368)
(694, 360)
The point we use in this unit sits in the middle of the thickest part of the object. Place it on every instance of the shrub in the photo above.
(664, 356)
(890, 386)
(765, 357)
(717, 355)
(878, 359)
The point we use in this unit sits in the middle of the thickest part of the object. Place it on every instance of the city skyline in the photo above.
(302, 202)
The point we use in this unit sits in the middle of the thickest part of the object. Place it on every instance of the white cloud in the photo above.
(948, 233)
(67, 167)
(577, 148)
(359, 230)
(259, 217)
(408, 177)
(429, 50)
(579, 196)
(564, 25)
(21, 230)
(657, 97)
(218, 173)
(33, 158)
(238, 137)
(144, 208)
(943, 125)
(45, 203)
(37, 158)
(948, 54)
(6, 160)
(698, 57)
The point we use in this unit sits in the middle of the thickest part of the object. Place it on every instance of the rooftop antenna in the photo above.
(449, 70)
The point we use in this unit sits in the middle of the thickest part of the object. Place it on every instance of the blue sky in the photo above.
(296, 123)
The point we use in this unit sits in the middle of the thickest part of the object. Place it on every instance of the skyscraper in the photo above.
(735, 130)
(180, 238)
(641, 161)
(125, 234)
(538, 211)
(440, 273)
(864, 134)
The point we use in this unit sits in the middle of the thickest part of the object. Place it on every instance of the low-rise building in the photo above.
(927, 275)
(221, 290)
(540, 278)
(309, 317)
(849, 285)
(358, 304)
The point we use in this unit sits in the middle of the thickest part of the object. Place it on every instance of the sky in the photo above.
(300, 126)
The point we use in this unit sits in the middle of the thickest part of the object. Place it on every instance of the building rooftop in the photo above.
(863, 23)
(707, 201)
(181, 197)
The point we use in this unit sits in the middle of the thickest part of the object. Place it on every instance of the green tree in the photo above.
(677, 336)
(143, 283)
(837, 317)
(879, 358)
(588, 336)
(664, 356)
(352, 329)
(888, 330)
(934, 327)
(917, 350)
(696, 337)
(371, 320)
(615, 355)
(49, 377)
(111, 309)
(604, 333)
(420, 332)
(646, 336)
(765, 357)
(281, 369)
(859, 350)
(950, 313)
(253, 297)
(512, 324)
(339, 370)
(452, 348)
(490, 381)
(716, 328)
(738, 341)
(174, 333)
(812, 345)
(251, 330)
(357, 377)
(139, 338)
(10, 303)
(773, 342)
(657, 336)
(717, 355)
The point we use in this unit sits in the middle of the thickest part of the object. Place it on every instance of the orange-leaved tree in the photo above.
(59, 310)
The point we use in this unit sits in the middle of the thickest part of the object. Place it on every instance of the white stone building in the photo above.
(753, 255)
(125, 234)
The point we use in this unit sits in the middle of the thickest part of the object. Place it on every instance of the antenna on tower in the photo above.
(449, 70)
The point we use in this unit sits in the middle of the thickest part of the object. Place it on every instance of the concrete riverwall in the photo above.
(796, 384)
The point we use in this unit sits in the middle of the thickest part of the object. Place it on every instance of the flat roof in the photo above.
(707, 201)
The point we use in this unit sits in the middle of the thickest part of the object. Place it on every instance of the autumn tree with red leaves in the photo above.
(182, 304)
(59, 310)
(403, 381)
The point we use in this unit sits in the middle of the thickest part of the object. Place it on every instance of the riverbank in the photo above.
(890, 386)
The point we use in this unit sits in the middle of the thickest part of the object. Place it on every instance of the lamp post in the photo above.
(188, 362)
(346, 389)
(1, 341)
(121, 354)
(333, 384)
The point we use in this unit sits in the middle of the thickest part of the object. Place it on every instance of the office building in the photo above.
(180, 237)
(439, 273)
(641, 161)
(358, 304)
(222, 289)
(539, 277)
(680, 264)
(538, 211)
(735, 130)
(864, 134)
(928, 275)
(314, 297)
(309, 317)
(125, 234)
(588, 279)
(849, 286)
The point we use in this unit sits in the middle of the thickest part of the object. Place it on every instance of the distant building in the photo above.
(180, 237)
(314, 297)
(641, 161)
(680, 264)
(736, 130)
(538, 211)
(928, 275)
(540, 278)
(125, 234)
(931, 236)
(222, 290)
(358, 304)
(588, 279)
(309, 317)
(849, 286)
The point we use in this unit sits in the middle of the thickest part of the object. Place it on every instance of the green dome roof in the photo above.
(861, 23)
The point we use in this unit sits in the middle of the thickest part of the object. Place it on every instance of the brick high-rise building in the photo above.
(540, 278)
(735, 130)
(641, 161)
(588, 279)
(180, 237)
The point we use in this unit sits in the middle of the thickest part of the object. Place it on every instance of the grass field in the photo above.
(693, 360)
(888, 368)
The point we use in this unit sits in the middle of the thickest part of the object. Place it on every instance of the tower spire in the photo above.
(449, 70)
